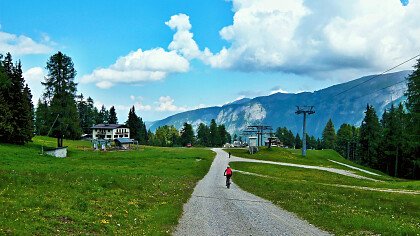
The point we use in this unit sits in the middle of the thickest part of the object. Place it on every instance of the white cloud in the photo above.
(183, 41)
(166, 103)
(138, 66)
(278, 91)
(21, 45)
(33, 77)
(322, 38)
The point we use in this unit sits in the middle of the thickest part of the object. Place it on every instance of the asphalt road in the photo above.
(215, 210)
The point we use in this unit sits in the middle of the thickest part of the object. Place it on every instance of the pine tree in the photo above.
(215, 139)
(187, 134)
(344, 136)
(60, 92)
(5, 113)
(298, 141)
(370, 134)
(203, 135)
(16, 117)
(223, 134)
(41, 118)
(103, 116)
(413, 120)
(112, 116)
(328, 135)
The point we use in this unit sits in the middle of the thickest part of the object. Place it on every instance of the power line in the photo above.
(402, 63)
(399, 82)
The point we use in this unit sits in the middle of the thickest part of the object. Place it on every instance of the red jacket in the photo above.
(228, 171)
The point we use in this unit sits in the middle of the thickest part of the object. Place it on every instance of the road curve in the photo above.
(215, 210)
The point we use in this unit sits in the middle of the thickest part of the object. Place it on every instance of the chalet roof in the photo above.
(123, 141)
(109, 126)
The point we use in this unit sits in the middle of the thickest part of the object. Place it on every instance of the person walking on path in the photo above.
(228, 174)
(229, 154)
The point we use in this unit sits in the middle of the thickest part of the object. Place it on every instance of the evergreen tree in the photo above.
(137, 127)
(103, 116)
(328, 135)
(223, 134)
(16, 117)
(215, 139)
(344, 137)
(370, 134)
(41, 118)
(298, 141)
(112, 116)
(203, 135)
(6, 128)
(413, 120)
(132, 123)
(60, 92)
(187, 134)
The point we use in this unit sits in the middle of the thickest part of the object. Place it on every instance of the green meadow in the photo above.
(333, 202)
(138, 192)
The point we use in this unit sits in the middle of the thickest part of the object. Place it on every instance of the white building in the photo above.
(110, 131)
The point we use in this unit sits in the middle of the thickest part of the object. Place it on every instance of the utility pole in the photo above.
(304, 110)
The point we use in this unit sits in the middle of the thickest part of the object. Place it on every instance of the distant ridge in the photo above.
(278, 109)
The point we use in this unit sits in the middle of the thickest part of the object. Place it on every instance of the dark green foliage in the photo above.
(16, 108)
(344, 137)
(60, 92)
(286, 136)
(41, 118)
(167, 136)
(88, 113)
(215, 139)
(298, 142)
(103, 116)
(370, 133)
(413, 119)
(112, 116)
(328, 135)
(187, 134)
(203, 135)
(137, 127)
(223, 135)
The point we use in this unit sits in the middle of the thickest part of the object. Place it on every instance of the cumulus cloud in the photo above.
(138, 66)
(166, 103)
(22, 45)
(183, 41)
(33, 77)
(306, 37)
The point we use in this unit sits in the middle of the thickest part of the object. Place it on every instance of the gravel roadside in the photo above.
(215, 210)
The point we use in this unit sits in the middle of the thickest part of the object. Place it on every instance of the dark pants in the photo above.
(228, 179)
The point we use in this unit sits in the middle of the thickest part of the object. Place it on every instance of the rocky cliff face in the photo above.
(278, 109)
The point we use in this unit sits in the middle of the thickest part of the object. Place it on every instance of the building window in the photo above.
(108, 136)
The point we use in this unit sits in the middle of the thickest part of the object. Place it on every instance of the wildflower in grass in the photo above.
(104, 221)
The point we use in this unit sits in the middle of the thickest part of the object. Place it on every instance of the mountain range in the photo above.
(343, 103)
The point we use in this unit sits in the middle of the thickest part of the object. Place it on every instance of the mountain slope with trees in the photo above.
(278, 110)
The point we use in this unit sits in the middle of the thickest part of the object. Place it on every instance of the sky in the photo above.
(168, 56)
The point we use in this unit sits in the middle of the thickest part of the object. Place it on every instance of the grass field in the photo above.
(138, 192)
(317, 197)
(313, 157)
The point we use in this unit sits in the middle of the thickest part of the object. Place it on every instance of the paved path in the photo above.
(215, 210)
(329, 169)
(356, 168)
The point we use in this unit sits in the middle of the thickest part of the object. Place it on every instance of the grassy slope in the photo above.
(342, 211)
(132, 192)
(314, 157)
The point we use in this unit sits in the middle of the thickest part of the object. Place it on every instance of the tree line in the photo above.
(390, 144)
(16, 108)
(207, 136)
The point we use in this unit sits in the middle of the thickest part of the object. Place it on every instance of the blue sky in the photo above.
(169, 56)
